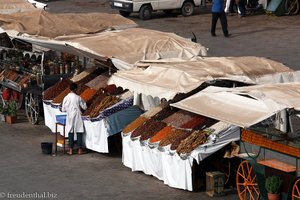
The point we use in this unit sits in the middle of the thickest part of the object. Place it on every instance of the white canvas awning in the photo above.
(166, 78)
(243, 106)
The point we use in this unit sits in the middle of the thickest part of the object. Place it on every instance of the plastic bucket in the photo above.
(46, 147)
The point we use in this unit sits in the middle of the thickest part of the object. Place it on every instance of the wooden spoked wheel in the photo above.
(32, 107)
(296, 190)
(246, 182)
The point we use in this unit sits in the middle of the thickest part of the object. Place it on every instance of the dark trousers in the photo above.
(242, 7)
(223, 19)
(232, 6)
(79, 140)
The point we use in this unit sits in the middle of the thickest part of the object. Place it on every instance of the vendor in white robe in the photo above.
(72, 105)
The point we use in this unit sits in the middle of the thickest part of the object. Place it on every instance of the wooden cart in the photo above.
(265, 153)
(30, 96)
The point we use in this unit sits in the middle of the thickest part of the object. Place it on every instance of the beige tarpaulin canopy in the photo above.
(51, 25)
(124, 47)
(134, 44)
(243, 106)
(98, 35)
(13, 6)
(165, 79)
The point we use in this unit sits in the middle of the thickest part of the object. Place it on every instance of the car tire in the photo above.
(145, 12)
(124, 13)
(187, 9)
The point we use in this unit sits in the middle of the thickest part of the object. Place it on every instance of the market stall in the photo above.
(46, 64)
(107, 105)
(156, 78)
(269, 117)
(166, 142)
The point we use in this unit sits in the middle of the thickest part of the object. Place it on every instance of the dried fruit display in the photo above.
(175, 136)
(61, 96)
(164, 113)
(98, 98)
(94, 97)
(81, 88)
(179, 138)
(190, 143)
(59, 99)
(134, 124)
(56, 89)
(142, 128)
(87, 94)
(194, 122)
(153, 129)
(179, 118)
(110, 89)
(105, 103)
(161, 134)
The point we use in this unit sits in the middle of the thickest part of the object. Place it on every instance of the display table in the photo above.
(169, 167)
(97, 129)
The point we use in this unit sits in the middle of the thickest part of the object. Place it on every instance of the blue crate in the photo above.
(61, 119)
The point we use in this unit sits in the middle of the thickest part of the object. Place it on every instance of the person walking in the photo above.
(218, 13)
(72, 105)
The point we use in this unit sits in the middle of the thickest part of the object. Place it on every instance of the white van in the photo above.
(146, 7)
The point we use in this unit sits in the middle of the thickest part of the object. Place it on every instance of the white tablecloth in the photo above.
(171, 168)
(49, 114)
(95, 137)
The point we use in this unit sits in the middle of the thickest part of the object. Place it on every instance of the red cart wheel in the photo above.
(296, 190)
(246, 182)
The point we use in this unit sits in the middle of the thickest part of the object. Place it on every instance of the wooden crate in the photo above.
(215, 183)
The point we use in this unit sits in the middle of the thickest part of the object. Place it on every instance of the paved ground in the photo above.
(24, 169)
